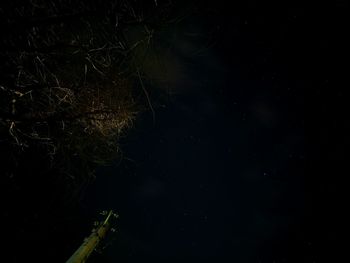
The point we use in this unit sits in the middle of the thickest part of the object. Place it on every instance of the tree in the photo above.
(67, 85)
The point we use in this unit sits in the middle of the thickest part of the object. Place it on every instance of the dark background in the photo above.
(244, 162)
(245, 158)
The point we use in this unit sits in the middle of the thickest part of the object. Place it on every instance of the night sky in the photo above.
(244, 156)
(243, 160)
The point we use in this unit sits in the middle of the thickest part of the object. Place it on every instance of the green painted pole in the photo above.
(90, 243)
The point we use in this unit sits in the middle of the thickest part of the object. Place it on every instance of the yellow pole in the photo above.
(90, 243)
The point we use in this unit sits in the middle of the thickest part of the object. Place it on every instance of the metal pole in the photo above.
(90, 243)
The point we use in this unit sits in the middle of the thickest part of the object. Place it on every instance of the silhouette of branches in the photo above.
(66, 84)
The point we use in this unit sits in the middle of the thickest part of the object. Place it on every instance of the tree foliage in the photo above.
(67, 79)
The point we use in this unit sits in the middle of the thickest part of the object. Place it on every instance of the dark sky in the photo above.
(239, 164)
(243, 160)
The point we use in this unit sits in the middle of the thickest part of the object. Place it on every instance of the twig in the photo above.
(147, 96)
